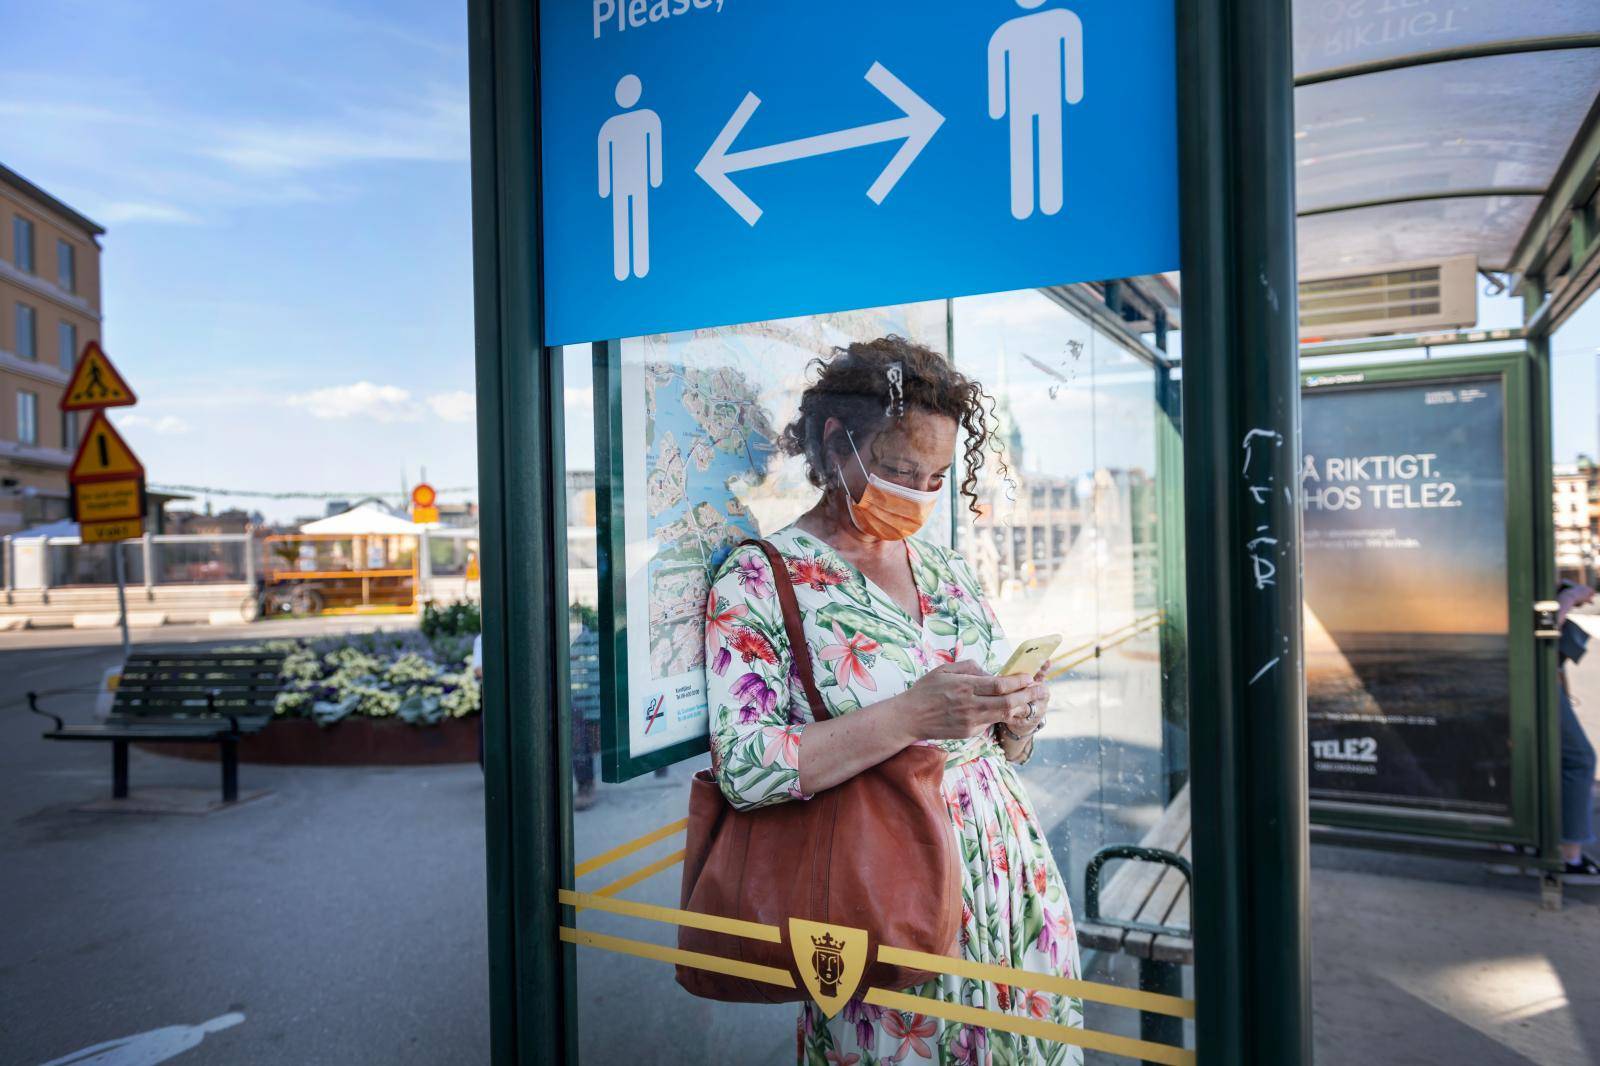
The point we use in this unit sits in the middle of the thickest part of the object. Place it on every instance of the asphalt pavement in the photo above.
(342, 915)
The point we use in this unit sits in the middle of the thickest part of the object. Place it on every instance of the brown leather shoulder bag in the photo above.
(876, 852)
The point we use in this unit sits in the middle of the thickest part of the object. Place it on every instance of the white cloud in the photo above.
(166, 425)
(364, 399)
(173, 163)
(430, 127)
(459, 406)
(123, 211)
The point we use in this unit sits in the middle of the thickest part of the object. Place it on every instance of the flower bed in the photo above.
(402, 675)
(358, 700)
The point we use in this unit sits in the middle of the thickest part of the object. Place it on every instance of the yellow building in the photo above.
(49, 308)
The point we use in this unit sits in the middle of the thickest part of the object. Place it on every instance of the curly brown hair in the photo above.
(855, 387)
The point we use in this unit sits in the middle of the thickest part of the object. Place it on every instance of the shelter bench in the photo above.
(184, 696)
(1145, 911)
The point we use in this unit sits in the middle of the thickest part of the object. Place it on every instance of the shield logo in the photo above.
(830, 960)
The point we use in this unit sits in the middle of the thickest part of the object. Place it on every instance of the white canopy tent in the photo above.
(365, 520)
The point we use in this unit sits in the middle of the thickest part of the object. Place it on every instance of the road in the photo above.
(342, 915)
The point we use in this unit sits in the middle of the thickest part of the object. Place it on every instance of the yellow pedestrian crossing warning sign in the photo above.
(103, 455)
(95, 383)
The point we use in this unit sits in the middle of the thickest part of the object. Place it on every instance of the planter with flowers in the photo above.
(385, 698)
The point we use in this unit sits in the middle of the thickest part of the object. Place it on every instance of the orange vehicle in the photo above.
(341, 573)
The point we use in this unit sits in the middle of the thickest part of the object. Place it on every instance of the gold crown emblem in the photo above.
(826, 942)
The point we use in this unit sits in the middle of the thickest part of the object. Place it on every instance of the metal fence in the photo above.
(448, 551)
(191, 559)
(164, 559)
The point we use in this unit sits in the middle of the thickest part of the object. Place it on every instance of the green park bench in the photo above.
(1145, 911)
(186, 697)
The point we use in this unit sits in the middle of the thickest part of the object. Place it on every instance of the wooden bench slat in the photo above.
(191, 681)
(1132, 884)
(1159, 909)
(198, 687)
(1175, 948)
(199, 692)
(1100, 937)
(1146, 892)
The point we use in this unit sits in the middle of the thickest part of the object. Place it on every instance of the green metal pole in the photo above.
(1547, 700)
(1241, 446)
(521, 539)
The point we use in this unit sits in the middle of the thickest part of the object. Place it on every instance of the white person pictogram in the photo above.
(1036, 63)
(630, 166)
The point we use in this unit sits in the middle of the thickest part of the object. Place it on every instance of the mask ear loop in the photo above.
(851, 437)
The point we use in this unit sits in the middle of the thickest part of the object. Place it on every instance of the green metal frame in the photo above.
(1544, 577)
(523, 538)
(1246, 699)
(1425, 342)
(617, 762)
(1513, 371)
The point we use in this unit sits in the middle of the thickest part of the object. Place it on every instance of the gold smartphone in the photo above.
(1031, 655)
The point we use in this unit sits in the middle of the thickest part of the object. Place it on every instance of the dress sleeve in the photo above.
(756, 722)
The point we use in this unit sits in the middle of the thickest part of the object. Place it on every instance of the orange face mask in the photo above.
(888, 511)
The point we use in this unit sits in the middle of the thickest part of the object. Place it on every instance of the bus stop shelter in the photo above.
(1455, 136)
(1376, 136)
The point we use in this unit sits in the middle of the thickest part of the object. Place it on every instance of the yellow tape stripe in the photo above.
(1104, 637)
(589, 866)
(716, 923)
(639, 875)
(767, 974)
(990, 1019)
(1041, 1030)
(1154, 1002)
(1149, 623)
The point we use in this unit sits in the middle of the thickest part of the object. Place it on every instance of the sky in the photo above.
(287, 262)
(287, 268)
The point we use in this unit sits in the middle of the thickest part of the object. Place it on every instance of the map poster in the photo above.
(689, 465)
(1407, 610)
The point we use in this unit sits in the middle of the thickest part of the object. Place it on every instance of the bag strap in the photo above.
(793, 627)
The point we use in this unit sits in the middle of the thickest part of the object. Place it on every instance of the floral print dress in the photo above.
(865, 648)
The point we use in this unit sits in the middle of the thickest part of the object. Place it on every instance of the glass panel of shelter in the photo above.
(1065, 539)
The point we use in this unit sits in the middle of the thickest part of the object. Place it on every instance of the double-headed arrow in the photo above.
(916, 127)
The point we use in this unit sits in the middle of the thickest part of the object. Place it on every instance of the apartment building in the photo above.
(49, 309)
(1576, 505)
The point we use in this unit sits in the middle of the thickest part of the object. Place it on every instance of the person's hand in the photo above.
(961, 700)
(1575, 595)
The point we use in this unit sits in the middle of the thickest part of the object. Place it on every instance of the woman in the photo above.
(905, 648)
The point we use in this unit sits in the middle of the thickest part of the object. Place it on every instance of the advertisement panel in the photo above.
(1408, 640)
(689, 426)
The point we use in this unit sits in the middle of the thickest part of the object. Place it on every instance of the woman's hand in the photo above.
(1572, 595)
(960, 700)
(1019, 740)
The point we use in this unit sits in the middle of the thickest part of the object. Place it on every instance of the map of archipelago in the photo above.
(715, 402)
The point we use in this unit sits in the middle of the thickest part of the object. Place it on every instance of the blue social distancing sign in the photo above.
(707, 162)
